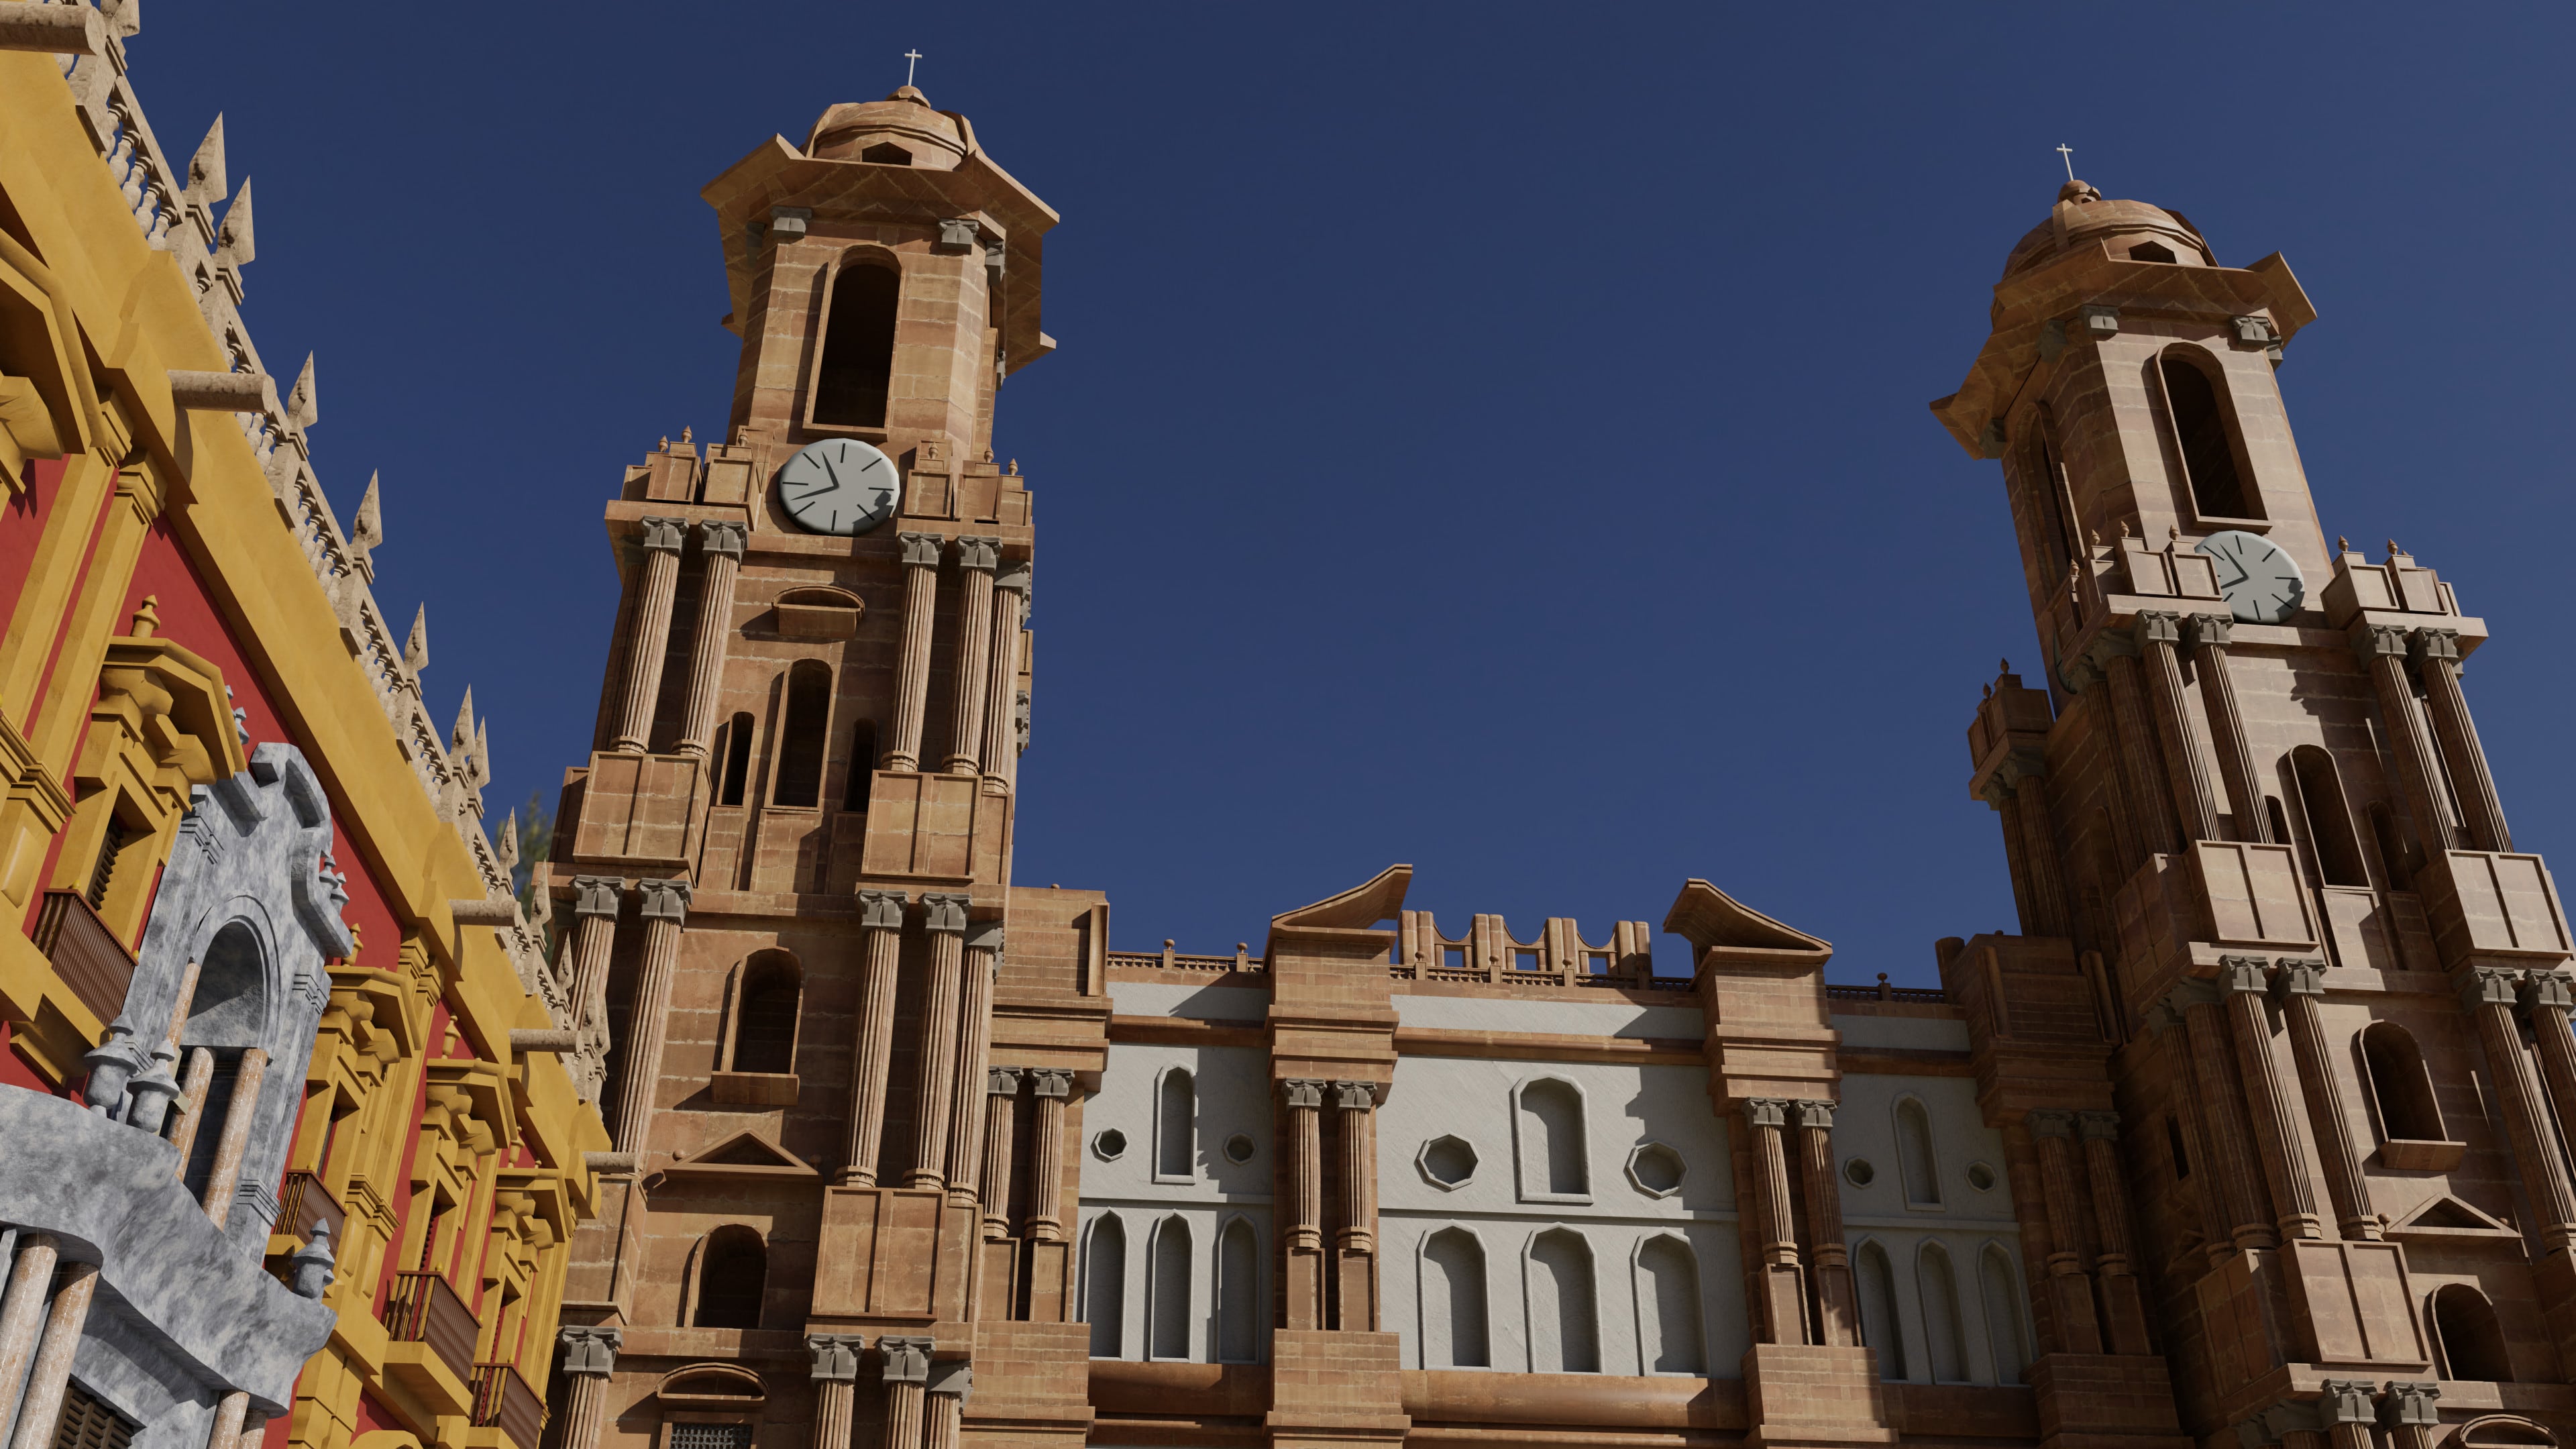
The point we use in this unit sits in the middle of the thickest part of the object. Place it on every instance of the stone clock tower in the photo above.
(838, 1106)
(2275, 937)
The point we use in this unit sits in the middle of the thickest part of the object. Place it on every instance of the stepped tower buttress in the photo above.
(2276, 941)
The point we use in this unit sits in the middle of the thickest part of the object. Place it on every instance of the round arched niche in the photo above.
(711, 1386)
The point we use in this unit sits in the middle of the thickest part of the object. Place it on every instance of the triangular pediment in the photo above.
(744, 1154)
(2448, 1217)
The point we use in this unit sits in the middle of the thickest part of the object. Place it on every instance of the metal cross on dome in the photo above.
(912, 58)
(2067, 154)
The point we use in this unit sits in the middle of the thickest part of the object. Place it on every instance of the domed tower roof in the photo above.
(901, 130)
(2131, 229)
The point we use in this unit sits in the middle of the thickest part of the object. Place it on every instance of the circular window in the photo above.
(1447, 1162)
(1238, 1148)
(1981, 1177)
(1859, 1173)
(1110, 1144)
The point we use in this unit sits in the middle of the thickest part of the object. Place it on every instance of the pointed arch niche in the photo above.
(1550, 1141)
(1564, 1311)
(1454, 1331)
(1671, 1338)
(1104, 1285)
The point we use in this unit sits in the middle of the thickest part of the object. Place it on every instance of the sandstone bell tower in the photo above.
(787, 860)
(2275, 935)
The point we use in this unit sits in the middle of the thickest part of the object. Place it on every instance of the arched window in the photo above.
(2392, 848)
(1669, 1339)
(2471, 1341)
(1453, 1301)
(1552, 1152)
(1167, 1292)
(2203, 437)
(765, 1010)
(1877, 1284)
(2329, 817)
(800, 739)
(733, 1272)
(1104, 1286)
(863, 766)
(228, 1016)
(2051, 529)
(1238, 1294)
(2400, 1087)
(1996, 1283)
(733, 749)
(1564, 1322)
(1945, 1342)
(856, 366)
(1915, 1160)
(1176, 1127)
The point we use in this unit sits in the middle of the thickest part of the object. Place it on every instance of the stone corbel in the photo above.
(881, 910)
(590, 1350)
(907, 1360)
(944, 912)
(2405, 1404)
(663, 535)
(836, 1355)
(664, 900)
(956, 234)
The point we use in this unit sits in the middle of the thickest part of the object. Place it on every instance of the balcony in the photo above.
(433, 1336)
(303, 1204)
(504, 1401)
(93, 963)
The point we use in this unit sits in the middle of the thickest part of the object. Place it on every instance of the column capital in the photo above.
(2488, 986)
(1766, 1112)
(590, 1350)
(2299, 978)
(1002, 1081)
(2098, 1126)
(663, 535)
(2346, 1401)
(2094, 663)
(2187, 993)
(1816, 1115)
(1014, 577)
(1297, 1092)
(2049, 1121)
(718, 538)
(944, 912)
(1355, 1096)
(596, 895)
(982, 554)
(2547, 990)
(2243, 974)
(984, 936)
(2378, 641)
(2208, 631)
(2156, 626)
(836, 1355)
(2405, 1402)
(2435, 644)
(907, 1360)
(881, 910)
(1050, 1082)
(953, 1376)
(665, 900)
(921, 550)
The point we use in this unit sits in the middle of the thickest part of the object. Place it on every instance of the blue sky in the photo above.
(1490, 437)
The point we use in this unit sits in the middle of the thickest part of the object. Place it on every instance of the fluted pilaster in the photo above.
(2299, 986)
(650, 643)
(976, 560)
(2382, 649)
(1001, 1105)
(2437, 654)
(2209, 640)
(1048, 1088)
(721, 543)
(665, 911)
(944, 917)
(872, 1054)
(1001, 683)
(1837, 1303)
(2159, 638)
(974, 1051)
(912, 669)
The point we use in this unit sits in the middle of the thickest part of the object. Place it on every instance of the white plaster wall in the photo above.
(1918, 1033)
(1205, 1221)
(1189, 999)
(1588, 1018)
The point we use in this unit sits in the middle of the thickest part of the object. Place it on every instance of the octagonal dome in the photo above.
(901, 130)
(2130, 229)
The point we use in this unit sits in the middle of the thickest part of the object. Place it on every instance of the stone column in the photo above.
(665, 910)
(2382, 649)
(648, 646)
(976, 560)
(836, 1385)
(974, 1053)
(230, 1411)
(2487, 993)
(2152, 804)
(2070, 1292)
(1305, 1195)
(1837, 1303)
(907, 1373)
(2299, 986)
(594, 909)
(1002, 683)
(2345, 1413)
(872, 1057)
(40, 1405)
(1001, 1102)
(590, 1356)
(1046, 1154)
(22, 1312)
(2209, 639)
(2547, 998)
(2024, 775)
(2407, 1411)
(1784, 1292)
(945, 918)
(722, 545)
(234, 1140)
(2437, 655)
(1355, 1240)
(2124, 1307)
(1999, 798)
(2212, 1095)
(912, 674)
(2158, 635)
(950, 1382)
(2283, 1146)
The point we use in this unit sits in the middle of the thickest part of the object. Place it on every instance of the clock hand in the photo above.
(835, 473)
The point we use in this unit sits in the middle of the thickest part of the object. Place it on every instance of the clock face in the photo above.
(840, 485)
(2260, 582)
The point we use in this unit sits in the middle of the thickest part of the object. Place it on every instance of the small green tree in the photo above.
(536, 837)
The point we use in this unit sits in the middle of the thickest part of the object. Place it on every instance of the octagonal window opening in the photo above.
(1981, 1176)
(1858, 1172)
(1656, 1169)
(1238, 1149)
(1447, 1162)
(1109, 1144)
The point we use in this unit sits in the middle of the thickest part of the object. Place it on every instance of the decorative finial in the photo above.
(147, 619)
(911, 59)
(2342, 544)
(2173, 533)
(1989, 691)
(371, 519)
(1015, 467)
(2095, 536)
(2067, 154)
(2124, 530)
(2392, 548)
(663, 446)
(416, 648)
(687, 434)
(2003, 666)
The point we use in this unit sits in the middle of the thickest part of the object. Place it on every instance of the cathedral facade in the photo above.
(2252, 1134)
